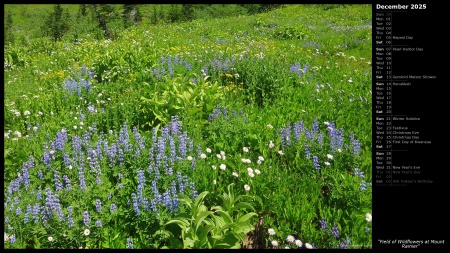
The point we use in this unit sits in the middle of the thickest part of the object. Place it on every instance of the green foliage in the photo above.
(178, 96)
(219, 227)
(291, 32)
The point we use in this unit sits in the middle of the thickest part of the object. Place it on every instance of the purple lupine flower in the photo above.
(58, 184)
(66, 159)
(93, 159)
(57, 207)
(298, 128)
(193, 163)
(77, 149)
(49, 202)
(358, 172)
(69, 217)
(12, 238)
(316, 163)
(175, 201)
(161, 145)
(86, 139)
(167, 200)
(158, 160)
(342, 245)
(355, 144)
(40, 175)
(98, 181)
(121, 159)
(224, 113)
(315, 126)
(47, 159)
(309, 134)
(139, 140)
(335, 231)
(320, 138)
(35, 212)
(29, 210)
(67, 181)
(98, 148)
(135, 204)
(82, 181)
(145, 204)
(336, 137)
(112, 154)
(141, 182)
(172, 149)
(130, 243)
(26, 176)
(18, 211)
(124, 138)
(175, 125)
(91, 108)
(86, 218)
(182, 145)
(156, 194)
(295, 67)
(153, 205)
(98, 205)
(165, 132)
(15, 184)
(113, 207)
(39, 193)
(61, 139)
(363, 185)
(98, 223)
(180, 182)
(323, 225)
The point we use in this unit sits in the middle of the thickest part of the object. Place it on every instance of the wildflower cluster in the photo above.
(313, 139)
(335, 233)
(72, 85)
(168, 65)
(74, 160)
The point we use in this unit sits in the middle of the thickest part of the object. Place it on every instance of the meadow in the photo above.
(252, 131)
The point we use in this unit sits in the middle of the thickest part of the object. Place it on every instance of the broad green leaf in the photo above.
(226, 217)
(246, 217)
(200, 198)
(201, 216)
(182, 223)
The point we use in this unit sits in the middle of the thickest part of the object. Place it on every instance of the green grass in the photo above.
(305, 69)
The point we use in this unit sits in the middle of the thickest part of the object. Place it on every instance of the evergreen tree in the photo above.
(56, 25)
(131, 15)
(102, 14)
(188, 11)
